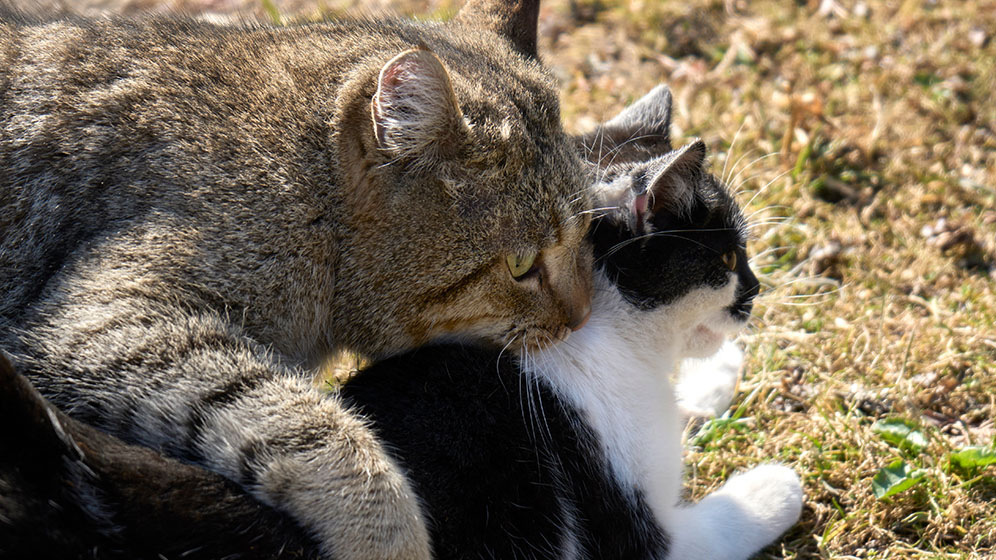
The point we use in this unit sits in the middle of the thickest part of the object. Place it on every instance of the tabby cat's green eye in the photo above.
(520, 264)
(730, 260)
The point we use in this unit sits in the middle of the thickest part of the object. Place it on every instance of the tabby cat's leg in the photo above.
(749, 512)
(193, 386)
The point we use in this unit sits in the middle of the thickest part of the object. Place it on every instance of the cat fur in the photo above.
(192, 216)
(68, 490)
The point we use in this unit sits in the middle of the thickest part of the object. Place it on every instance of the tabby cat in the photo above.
(574, 451)
(192, 216)
(68, 490)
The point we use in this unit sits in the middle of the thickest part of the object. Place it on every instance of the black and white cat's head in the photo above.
(670, 239)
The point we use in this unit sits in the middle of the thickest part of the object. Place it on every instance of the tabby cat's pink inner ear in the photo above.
(414, 106)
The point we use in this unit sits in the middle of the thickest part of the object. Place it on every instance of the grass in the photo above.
(861, 136)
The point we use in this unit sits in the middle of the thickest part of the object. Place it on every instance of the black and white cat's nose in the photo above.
(748, 288)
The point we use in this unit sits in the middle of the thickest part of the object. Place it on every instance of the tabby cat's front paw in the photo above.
(371, 515)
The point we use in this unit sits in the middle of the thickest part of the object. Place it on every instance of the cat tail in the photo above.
(746, 514)
(192, 385)
(70, 489)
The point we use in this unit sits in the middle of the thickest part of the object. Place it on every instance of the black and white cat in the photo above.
(575, 451)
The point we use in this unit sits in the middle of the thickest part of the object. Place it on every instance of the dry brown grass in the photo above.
(862, 134)
(857, 132)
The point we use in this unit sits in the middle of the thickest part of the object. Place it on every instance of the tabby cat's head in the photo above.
(672, 239)
(465, 195)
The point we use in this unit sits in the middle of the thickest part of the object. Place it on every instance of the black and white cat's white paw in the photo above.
(769, 496)
(705, 387)
(746, 514)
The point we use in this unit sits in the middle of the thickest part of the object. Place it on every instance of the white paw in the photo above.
(749, 512)
(770, 495)
(706, 386)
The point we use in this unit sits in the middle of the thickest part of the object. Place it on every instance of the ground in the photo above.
(861, 136)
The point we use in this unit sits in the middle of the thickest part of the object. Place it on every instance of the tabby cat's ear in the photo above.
(516, 20)
(649, 117)
(673, 185)
(415, 111)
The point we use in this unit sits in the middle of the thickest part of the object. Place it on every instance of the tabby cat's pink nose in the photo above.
(579, 318)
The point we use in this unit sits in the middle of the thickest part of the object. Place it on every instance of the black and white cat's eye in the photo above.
(729, 259)
(520, 264)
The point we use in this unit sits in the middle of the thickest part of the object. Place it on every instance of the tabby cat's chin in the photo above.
(533, 340)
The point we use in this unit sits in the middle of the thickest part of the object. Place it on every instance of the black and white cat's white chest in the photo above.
(616, 373)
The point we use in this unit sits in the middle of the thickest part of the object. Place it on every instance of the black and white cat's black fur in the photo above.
(575, 451)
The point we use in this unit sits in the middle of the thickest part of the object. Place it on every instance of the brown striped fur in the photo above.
(192, 216)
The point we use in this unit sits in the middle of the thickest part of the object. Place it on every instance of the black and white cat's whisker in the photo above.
(735, 178)
(736, 170)
(758, 260)
(756, 228)
(729, 152)
(762, 211)
(774, 293)
(825, 285)
(769, 221)
(739, 187)
(669, 233)
(766, 186)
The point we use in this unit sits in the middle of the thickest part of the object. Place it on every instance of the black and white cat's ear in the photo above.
(636, 134)
(415, 110)
(665, 183)
(672, 187)
(515, 20)
(649, 117)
